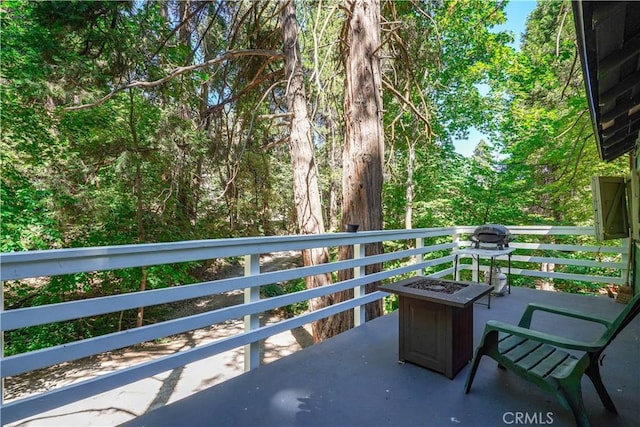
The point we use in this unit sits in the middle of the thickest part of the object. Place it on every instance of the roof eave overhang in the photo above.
(608, 39)
(589, 79)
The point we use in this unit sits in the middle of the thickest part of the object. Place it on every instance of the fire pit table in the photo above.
(436, 321)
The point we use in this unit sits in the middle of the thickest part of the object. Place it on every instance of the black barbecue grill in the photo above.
(493, 235)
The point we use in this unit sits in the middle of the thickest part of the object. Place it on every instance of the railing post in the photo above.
(475, 269)
(456, 262)
(625, 253)
(419, 258)
(359, 312)
(251, 321)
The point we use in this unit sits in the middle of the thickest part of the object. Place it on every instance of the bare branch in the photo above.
(565, 12)
(177, 72)
(577, 161)
(286, 115)
(237, 94)
(406, 101)
(176, 29)
(573, 67)
(269, 145)
(573, 125)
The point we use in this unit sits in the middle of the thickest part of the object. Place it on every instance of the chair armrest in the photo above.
(525, 321)
(555, 340)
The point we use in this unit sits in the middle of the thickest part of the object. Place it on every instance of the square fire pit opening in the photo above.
(434, 285)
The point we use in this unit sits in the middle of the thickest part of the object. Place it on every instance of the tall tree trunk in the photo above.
(186, 187)
(408, 218)
(305, 176)
(363, 153)
(334, 178)
(141, 235)
(139, 199)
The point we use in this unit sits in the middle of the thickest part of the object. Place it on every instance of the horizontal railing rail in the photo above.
(617, 268)
(421, 251)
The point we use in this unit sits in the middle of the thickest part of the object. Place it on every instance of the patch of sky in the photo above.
(517, 12)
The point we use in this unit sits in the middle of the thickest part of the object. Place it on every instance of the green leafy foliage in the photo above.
(284, 288)
(203, 155)
(546, 129)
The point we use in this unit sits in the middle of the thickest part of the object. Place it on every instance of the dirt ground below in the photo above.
(125, 403)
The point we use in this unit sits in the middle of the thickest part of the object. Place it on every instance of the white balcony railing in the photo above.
(407, 252)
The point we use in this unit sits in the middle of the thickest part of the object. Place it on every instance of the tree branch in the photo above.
(407, 102)
(564, 16)
(564, 132)
(177, 28)
(573, 67)
(237, 93)
(177, 72)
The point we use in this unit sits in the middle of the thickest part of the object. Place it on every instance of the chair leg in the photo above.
(593, 372)
(472, 372)
(488, 346)
(570, 394)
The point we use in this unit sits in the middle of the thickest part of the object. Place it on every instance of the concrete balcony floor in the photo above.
(355, 380)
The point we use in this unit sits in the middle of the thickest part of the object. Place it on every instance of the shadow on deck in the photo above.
(355, 380)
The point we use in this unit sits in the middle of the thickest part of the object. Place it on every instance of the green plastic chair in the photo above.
(540, 357)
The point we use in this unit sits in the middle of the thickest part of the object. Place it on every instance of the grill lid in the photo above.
(494, 234)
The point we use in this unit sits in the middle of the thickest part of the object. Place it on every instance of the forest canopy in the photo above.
(144, 121)
(128, 122)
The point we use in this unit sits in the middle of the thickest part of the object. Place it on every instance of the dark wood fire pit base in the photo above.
(436, 322)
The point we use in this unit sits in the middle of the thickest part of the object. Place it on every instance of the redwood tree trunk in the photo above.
(305, 176)
(363, 154)
(408, 218)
